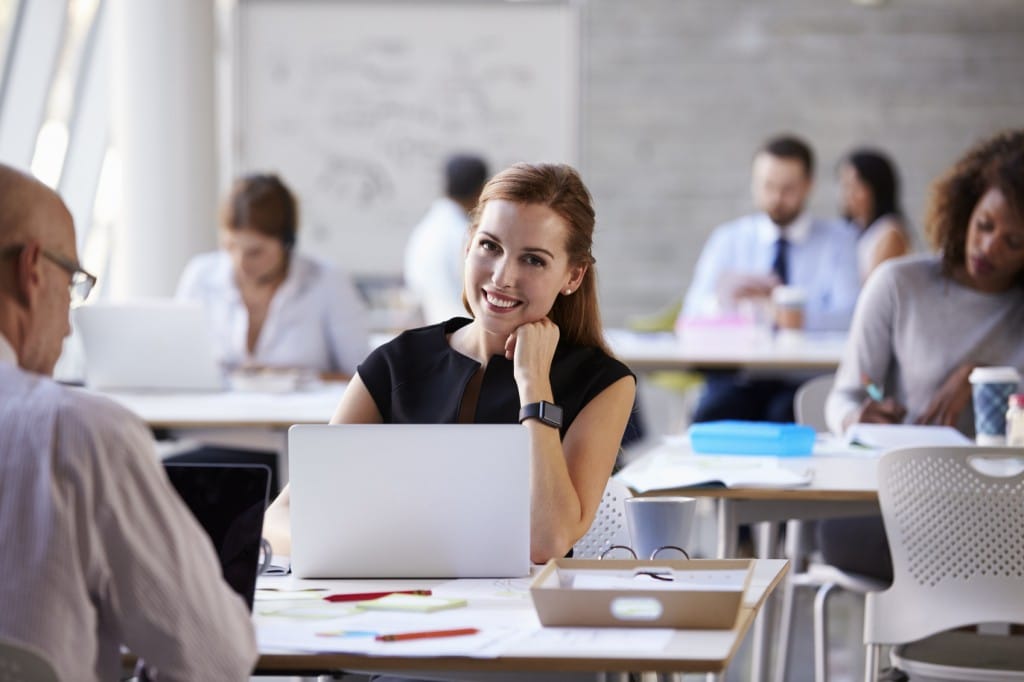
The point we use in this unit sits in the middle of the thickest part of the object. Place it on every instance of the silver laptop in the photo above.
(158, 345)
(409, 500)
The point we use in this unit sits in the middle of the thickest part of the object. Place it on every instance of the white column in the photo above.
(165, 133)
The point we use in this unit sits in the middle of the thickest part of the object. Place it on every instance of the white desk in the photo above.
(685, 650)
(234, 409)
(236, 419)
(840, 486)
(726, 348)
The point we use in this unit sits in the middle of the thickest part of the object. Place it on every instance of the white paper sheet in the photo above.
(668, 470)
(355, 633)
(892, 436)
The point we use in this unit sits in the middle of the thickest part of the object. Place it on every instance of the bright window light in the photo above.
(51, 146)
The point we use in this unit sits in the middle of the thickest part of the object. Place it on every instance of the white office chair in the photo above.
(23, 663)
(809, 401)
(954, 518)
(609, 526)
(809, 407)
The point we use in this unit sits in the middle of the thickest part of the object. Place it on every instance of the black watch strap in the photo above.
(544, 412)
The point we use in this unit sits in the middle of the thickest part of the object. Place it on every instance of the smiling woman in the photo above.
(532, 353)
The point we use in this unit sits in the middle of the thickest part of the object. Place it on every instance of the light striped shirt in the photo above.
(97, 548)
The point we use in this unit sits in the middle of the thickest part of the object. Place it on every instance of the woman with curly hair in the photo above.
(922, 323)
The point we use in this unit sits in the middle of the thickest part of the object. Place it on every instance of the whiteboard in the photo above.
(356, 105)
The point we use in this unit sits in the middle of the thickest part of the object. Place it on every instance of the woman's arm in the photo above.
(356, 407)
(567, 478)
(345, 324)
(867, 358)
(950, 400)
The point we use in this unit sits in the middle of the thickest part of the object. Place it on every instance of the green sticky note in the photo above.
(411, 602)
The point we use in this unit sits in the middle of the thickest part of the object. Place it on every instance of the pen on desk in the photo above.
(364, 596)
(402, 636)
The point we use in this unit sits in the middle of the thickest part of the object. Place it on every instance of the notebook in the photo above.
(409, 500)
(228, 500)
(153, 345)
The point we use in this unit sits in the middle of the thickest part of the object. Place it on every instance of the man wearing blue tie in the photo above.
(745, 259)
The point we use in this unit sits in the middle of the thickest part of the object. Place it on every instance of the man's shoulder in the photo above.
(738, 226)
(99, 416)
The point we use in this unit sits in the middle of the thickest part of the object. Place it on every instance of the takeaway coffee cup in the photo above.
(991, 388)
(789, 303)
(659, 527)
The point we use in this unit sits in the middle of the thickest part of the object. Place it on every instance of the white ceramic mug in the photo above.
(660, 526)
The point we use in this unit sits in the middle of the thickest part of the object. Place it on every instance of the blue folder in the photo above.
(733, 437)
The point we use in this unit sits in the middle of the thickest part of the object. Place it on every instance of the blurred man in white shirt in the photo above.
(436, 249)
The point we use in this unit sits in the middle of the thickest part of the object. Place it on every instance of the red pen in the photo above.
(363, 596)
(402, 636)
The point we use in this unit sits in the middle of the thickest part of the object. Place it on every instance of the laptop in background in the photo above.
(159, 345)
(409, 500)
(228, 500)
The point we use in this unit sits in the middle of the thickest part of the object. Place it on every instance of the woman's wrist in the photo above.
(534, 391)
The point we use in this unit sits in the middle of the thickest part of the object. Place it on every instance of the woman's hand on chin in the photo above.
(531, 348)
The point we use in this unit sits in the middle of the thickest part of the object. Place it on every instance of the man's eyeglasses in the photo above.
(81, 281)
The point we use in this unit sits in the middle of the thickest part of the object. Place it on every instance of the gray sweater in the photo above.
(912, 327)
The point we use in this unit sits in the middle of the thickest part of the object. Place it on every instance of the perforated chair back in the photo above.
(955, 522)
(23, 663)
(809, 401)
(609, 526)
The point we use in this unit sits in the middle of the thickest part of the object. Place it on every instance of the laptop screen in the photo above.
(228, 501)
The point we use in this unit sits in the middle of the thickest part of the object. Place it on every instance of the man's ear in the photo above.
(28, 276)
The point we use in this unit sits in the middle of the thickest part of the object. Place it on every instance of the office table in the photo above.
(841, 485)
(233, 409)
(236, 419)
(685, 651)
(727, 349)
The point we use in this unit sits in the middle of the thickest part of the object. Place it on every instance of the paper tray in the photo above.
(560, 603)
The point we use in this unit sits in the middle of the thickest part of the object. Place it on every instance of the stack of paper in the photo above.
(669, 470)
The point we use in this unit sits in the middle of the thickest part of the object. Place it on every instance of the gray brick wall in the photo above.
(677, 94)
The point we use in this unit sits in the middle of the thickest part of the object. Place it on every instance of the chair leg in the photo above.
(870, 662)
(821, 632)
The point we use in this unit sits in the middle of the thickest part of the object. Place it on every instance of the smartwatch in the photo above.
(544, 412)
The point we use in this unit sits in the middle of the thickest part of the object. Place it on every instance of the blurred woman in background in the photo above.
(269, 305)
(869, 199)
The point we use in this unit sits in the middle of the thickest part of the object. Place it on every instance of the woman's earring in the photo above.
(568, 291)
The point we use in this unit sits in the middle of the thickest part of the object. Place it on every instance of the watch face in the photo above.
(551, 414)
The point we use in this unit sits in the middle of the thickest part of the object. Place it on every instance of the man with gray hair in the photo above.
(99, 550)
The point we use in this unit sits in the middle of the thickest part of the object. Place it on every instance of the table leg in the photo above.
(767, 541)
(795, 553)
(728, 532)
